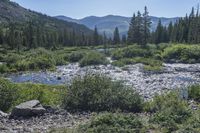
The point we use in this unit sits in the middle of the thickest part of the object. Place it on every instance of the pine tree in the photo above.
(1, 36)
(18, 40)
(105, 42)
(38, 37)
(139, 29)
(158, 33)
(105, 39)
(124, 39)
(96, 36)
(169, 31)
(197, 25)
(83, 40)
(198, 29)
(116, 38)
(147, 25)
(30, 35)
(174, 33)
(131, 38)
(73, 38)
(192, 27)
(11, 36)
(136, 29)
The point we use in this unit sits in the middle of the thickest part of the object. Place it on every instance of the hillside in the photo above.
(13, 12)
(108, 23)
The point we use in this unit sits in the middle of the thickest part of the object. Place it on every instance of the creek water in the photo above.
(147, 84)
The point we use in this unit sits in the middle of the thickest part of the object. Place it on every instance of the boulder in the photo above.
(28, 109)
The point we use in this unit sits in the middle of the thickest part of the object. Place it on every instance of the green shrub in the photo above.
(93, 58)
(12, 58)
(2, 57)
(112, 123)
(3, 68)
(153, 67)
(163, 46)
(133, 51)
(169, 111)
(76, 56)
(60, 60)
(193, 124)
(42, 62)
(8, 95)
(22, 65)
(130, 52)
(194, 92)
(123, 62)
(182, 54)
(95, 92)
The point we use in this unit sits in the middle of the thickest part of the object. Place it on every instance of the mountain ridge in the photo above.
(12, 12)
(109, 22)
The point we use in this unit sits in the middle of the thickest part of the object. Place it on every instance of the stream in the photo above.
(146, 83)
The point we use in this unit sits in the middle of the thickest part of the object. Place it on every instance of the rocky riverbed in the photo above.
(146, 83)
(53, 119)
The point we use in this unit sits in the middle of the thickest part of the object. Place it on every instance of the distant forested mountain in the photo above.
(109, 23)
(33, 29)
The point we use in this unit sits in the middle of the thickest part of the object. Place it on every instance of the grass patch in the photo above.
(182, 54)
(43, 59)
(3, 68)
(194, 92)
(13, 94)
(47, 94)
(149, 63)
(7, 95)
(130, 52)
(93, 58)
(112, 123)
(169, 111)
(76, 56)
(149, 56)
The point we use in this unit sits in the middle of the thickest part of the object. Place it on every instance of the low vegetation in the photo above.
(43, 59)
(95, 92)
(170, 111)
(194, 92)
(130, 52)
(149, 56)
(165, 113)
(7, 95)
(113, 123)
(38, 59)
(153, 56)
(13, 94)
(149, 64)
(127, 112)
(182, 54)
(93, 58)
(76, 56)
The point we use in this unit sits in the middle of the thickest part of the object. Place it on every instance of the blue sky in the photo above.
(83, 8)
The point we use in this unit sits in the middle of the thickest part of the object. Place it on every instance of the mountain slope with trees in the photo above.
(19, 26)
